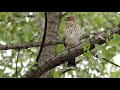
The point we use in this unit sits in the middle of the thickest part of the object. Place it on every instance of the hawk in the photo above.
(71, 37)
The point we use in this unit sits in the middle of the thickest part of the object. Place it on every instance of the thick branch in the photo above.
(35, 44)
(74, 52)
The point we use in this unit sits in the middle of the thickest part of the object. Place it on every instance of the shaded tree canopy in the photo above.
(21, 37)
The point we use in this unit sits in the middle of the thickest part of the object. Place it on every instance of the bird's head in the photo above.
(69, 18)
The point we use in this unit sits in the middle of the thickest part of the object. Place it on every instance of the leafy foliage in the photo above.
(18, 28)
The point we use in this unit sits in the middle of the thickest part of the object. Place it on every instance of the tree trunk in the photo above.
(54, 19)
(53, 23)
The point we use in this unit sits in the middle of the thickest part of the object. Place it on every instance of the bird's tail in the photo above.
(71, 63)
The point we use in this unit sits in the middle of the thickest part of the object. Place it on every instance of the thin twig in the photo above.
(43, 39)
(17, 62)
(66, 70)
(111, 62)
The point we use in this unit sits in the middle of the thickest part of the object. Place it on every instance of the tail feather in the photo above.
(71, 63)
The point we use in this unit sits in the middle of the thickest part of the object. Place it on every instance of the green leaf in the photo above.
(59, 49)
(97, 47)
(115, 40)
(115, 74)
(88, 54)
(86, 46)
(56, 74)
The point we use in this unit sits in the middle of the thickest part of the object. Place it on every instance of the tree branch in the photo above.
(35, 44)
(111, 62)
(74, 52)
(29, 45)
(43, 39)
(69, 69)
(66, 70)
(17, 62)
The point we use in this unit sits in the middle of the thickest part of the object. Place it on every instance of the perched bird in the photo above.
(71, 37)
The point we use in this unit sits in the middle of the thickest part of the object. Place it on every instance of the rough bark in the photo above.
(54, 19)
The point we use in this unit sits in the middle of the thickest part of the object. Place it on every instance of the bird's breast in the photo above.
(71, 40)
